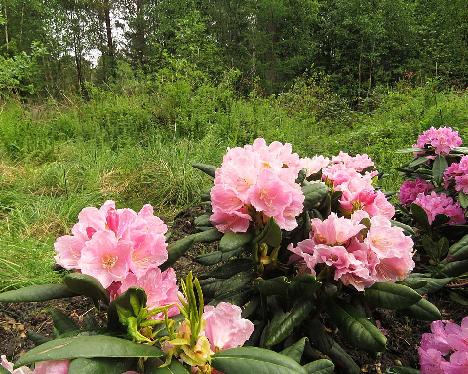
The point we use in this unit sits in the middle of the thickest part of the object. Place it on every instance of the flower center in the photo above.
(108, 261)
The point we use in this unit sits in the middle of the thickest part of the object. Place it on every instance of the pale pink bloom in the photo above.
(305, 250)
(357, 276)
(52, 367)
(358, 162)
(225, 328)
(160, 288)
(287, 220)
(149, 251)
(314, 165)
(380, 206)
(393, 269)
(68, 249)
(410, 189)
(225, 199)
(336, 256)
(270, 195)
(435, 204)
(441, 140)
(339, 174)
(334, 230)
(9, 367)
(235, 222)
(105, 258)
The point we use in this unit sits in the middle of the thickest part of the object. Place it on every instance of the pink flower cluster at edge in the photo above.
(45, 367)
(121, 248)
(410, 189)
(353, 177)
(440, 203)
(224, 326)
(359, 256)
(445, 349)
(458, 173)
(442, 140)
(257, 177)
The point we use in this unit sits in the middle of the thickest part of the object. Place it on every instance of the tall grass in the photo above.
(137, 149)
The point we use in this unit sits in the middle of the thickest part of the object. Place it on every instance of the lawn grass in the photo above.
(56, 160)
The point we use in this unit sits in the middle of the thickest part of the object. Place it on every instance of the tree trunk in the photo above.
(109, 53)
(139, 37)
(5, 14)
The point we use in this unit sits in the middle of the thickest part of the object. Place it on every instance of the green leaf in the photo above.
(455, 268)
(417, 161)
(255, 360)
(358, 330)
(207, 236)
(420, 216)
(175, 367)
(271, 234)
(423, 310)
(438, 168)
(458, 298)
(215, 257)
(298, 314)
(296, 350)
(87, 347)
(231, 241)
(231, 268)
(407, 229)
(62, 323)
(100, 365)
(426, 285)
(459, 250)
(37, 338)
(3, 370)
(127, 305)
(409, 150)
(463, 199)
(40, 292)
(462, 150)
(207, 169)
(203, 220)
(327, 345)
(391, 295)
(88, 286)
(177, 249)
(322, 366)
(275, 286)
(314, 194)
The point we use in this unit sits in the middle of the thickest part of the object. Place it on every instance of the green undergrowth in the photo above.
(137, 149)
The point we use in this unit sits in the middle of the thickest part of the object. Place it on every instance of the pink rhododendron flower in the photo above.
(225, 328)
(410, 189)
(257, 179)
(314, 165)
(358, 255)
(441, 140)
(9, 367)
(358, 162)
(160, 288)
(445, 349)
(458, 174)
(52, 367)
(435, 204)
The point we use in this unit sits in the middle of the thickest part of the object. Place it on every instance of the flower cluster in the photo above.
(440, 203)
(445, 349)
(258, 179)
(121, 249)
(458, 174)
(353, 176)
(361, 250)
(410, 189)
(441, 140)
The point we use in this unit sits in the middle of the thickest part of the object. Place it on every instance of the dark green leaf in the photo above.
(359, 331)
(409, 150)
(271, 234)
(314, 193)
(275, 286)
(391, 295)
(215, 257)
(231, 268)
(455, 268)
(298, 314)
(231, 241)
(255, 360)
(88, 286)
(426, 285)
(458, 298)
(296, 350)
(100, 365)
(37, 338)
(127, 305)
(463, 199)
(175, 367)
(203, 220)
(438, 168)
(207, 236)
(62, 323)
(40, 292)
(322, 366)
(420, 216)
(423, 310)
(208, 169)
(407, 229)
(177, 249)
(402, 370)
(417, 161)
(459, 250)
(87, 347)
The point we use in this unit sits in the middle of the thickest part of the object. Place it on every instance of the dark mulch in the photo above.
(403, 333)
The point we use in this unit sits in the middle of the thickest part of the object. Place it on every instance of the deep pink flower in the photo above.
(160, 288)
(105, 258)
(410, 189)
(225, 328)
(441, 140)
(435, 204)
(52, 367)
(458, 173)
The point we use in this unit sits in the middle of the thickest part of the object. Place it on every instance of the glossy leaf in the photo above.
(203, 220)
(207, 169)
(175, 367)
(358, 330)
(423, 310)
(275, 286)
(87, 347)
(322, 366)
(88, 286)
(100, 365)
(177, 249)
(438, 168)
(271, 234)
(459, 250)
(455, 268)
(419, 216)
(62, 323)
(231, 268)
(314, 194)
(391, 295)
(255, 360)
(231, 241)
(40, 292)
(463, 199)
(215, 257)
(207, 236)
(295, 350)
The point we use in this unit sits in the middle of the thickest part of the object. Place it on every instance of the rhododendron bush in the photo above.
(302, 248)
(434, 202)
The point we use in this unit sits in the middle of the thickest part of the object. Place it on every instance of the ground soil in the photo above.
(403, 333)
